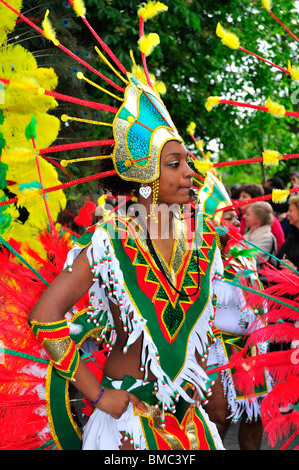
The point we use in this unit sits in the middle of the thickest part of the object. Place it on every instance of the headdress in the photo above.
(141, 128)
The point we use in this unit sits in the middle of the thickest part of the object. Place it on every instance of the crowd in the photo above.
(272, 227)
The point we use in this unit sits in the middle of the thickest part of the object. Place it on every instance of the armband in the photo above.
(63, 352)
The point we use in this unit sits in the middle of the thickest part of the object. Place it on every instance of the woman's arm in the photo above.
(62, 294)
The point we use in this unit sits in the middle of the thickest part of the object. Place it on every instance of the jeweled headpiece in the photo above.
(141, 128)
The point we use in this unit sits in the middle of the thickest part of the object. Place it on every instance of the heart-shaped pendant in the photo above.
(145, 191)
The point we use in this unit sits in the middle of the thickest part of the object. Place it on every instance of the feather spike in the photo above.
(148, 42)
(151, 9)
(79, 7)
(280, 196)
(271, 157)
(274, 108)
(203, 167)
(211, 102)
(191, 128)
(294, 72)
(267, 4)
(227, 38)
(49, 31)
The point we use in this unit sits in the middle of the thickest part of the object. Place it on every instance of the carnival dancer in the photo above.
(233, 319)
(149, 282)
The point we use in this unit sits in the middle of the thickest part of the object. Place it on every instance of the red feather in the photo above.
(86, 213)
(23, 417)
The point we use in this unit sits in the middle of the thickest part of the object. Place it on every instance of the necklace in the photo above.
(155, 256)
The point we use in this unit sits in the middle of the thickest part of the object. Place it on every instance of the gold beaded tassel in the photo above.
(155, 192)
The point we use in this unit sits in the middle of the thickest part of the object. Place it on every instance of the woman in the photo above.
(233, 319)
(258, 219)
(289, 251)
(254, 190)
(143, 273)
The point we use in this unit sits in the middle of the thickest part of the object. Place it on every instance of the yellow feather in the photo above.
(151, 9)
(14, 125)
(271, 157)
(102, 200)
(267, 4)
(294, 71)
(191, 128)
(148, 43)
(211, 102)
(280, 195)
(203, 166)
(274, 108)
(79, 7)
(228, 39)
(49, 31)
(199, 144)
(15, 59)
(8, 18)
(160, 87)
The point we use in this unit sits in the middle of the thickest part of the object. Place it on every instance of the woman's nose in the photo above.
(189, 173)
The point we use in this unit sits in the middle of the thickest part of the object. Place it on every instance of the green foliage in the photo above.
(194, 64)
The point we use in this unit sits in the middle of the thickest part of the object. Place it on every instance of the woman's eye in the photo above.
(174, 164)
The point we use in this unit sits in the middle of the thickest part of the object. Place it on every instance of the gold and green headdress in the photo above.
(141, 128)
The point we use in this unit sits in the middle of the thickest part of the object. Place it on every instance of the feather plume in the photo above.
(274, 108)
(160, 87)
(203, 166)
(279, 410)
(148, 42)
(49, 31)
(191, 128)
(8, 18)
(271, 157)
(79, 7)
(211, 102)
(294, 71)
(247, 252)
(85, 217)
(280, 196)
(151, 9)
(227, 38)
(267, 4)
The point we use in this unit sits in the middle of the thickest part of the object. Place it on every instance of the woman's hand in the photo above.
(289, 263)
(116, 402)
(195, 397)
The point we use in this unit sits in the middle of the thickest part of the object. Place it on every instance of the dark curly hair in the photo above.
(114, 184)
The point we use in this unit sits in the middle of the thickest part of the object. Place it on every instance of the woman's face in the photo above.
(176, 175)
(293, 215)
(244, 196)
(230, 218)
(251, 220)
(294, 181)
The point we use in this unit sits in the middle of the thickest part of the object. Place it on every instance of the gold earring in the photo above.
(155, 192)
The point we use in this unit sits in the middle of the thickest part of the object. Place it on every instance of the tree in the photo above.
(194, 64)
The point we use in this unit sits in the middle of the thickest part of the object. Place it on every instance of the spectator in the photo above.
(289, 251)
(258, 219)
(253, 190)
(294, 179)
(279, 209)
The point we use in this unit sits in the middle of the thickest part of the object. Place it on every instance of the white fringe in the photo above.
(103, 262)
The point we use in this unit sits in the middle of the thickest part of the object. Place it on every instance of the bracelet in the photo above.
(62, 350)
(101, 394)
